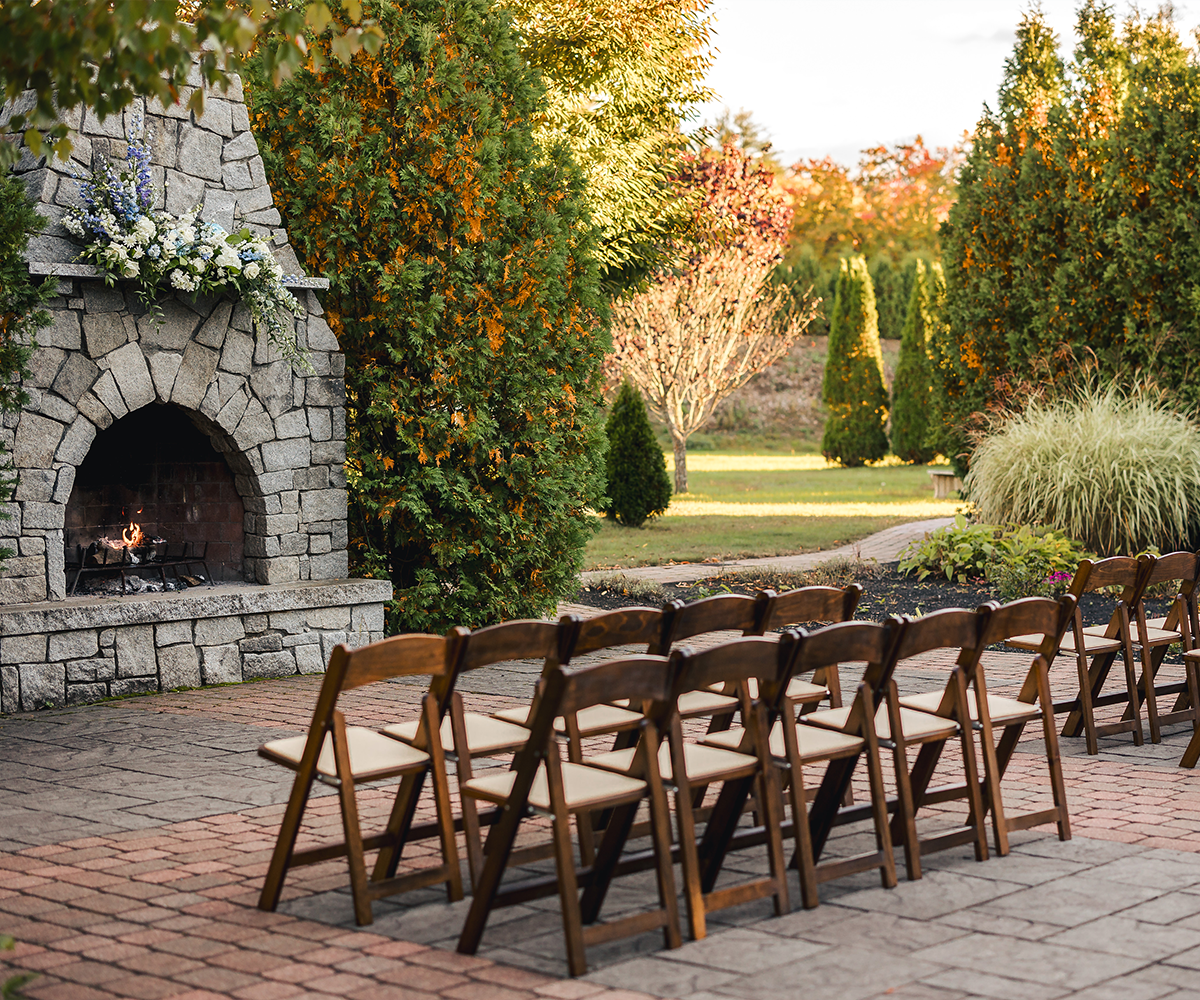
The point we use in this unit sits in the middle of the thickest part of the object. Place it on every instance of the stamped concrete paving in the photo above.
(134, 836)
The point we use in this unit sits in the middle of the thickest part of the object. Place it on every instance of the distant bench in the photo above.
(945, 482)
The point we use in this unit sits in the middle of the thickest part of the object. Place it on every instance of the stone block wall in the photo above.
(54, 654)
(282, 430)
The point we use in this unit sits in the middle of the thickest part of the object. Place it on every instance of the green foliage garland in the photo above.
(465, 295)
(852, 388)
(912, 389)
(638, 484)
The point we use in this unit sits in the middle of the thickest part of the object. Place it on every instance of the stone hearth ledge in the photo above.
(85, 649)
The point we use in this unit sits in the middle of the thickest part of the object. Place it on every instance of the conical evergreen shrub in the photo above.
(638, 484)
(912, 389)
(852, 389)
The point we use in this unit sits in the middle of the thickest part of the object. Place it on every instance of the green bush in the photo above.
(852, 387)
(465, 294)
(638, 484)
(10, 989)
(912, 388)
(1121, 473)
(1018, 562)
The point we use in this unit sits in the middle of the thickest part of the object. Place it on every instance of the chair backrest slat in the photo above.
(399, 656)
(843, 642)
(1031, 615)
(643, 678)
(810, 604)
(1115, 571)
(623, 627)
(515, 640)
(1174, 566)
(950, 627)
(715, 614)
(737, 661)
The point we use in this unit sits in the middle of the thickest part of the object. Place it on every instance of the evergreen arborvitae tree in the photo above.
(912, 388)
(852, 388)
(638, 484)
(466, 297)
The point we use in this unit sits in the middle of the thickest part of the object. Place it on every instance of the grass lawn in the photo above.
(741, 506)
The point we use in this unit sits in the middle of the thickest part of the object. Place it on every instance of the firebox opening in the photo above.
(156, 470)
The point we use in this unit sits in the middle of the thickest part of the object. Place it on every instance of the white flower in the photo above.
(251, 270)
(129, 269)
(183, 280)
(73, 225)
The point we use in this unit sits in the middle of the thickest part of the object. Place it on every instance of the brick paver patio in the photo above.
(134, 836)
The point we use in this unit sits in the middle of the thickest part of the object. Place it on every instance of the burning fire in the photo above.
(133, 535)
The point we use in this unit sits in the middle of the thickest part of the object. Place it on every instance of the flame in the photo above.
(133, 535)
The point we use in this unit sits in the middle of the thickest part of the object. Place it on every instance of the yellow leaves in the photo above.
(495, 332)
(388, 463)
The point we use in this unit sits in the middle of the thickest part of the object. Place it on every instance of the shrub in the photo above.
(1018, 562)
(912, 388)
(638, 484)
(1121, 473)
(852, 388)
(465, 295)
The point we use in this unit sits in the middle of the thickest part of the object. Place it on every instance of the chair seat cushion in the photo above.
(583, 787)
(1154, 636)
(594, 720)
(372, 755)
(1091, 643)
(484, 734)
(814, 743)
(1003, 711)
(704, 763)
(806, 691)
(705, 703)
(915, 725)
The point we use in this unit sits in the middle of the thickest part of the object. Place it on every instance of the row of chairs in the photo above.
(777, 687)
(1140, 642)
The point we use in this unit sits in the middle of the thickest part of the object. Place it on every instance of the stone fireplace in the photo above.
(187, 426)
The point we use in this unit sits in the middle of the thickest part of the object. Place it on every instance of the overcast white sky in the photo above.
(832, 77)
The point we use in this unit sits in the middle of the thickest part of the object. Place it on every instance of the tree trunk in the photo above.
(680, 443)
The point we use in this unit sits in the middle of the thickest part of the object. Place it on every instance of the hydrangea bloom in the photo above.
(124, 236)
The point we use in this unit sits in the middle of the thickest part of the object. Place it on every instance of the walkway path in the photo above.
(883, 546)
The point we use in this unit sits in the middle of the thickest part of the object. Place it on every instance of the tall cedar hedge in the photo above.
(852, 387)
(464, 294)
(912, 388)
(1073, 241)
(638, 484)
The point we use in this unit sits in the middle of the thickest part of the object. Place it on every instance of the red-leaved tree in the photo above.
(697, 335)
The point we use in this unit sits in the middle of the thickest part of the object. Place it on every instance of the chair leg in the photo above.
(1192, 753)
(805, 859)
(1085, 706)
(660, 835)
(1058, 788)
(991, 766)
(906, 810)
(1148, 678)
(463, 773)
(285, 843)
(354, 847)
(879, 815)
(975, 816)
(441, 795)
(685, 822)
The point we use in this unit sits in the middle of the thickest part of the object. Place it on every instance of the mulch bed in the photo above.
(885, 592)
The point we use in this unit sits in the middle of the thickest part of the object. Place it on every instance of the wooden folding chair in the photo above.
(343, 756)
(469, 735)
(899, 728)
(1153, 637)
(689, 764)
(794, 744)
(541, 784)
(988, 712)
(801, 607)
(1095, 649)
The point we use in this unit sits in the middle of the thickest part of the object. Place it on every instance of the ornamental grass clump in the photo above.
(1120, 473)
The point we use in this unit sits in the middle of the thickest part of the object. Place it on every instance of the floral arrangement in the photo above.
(129, 240)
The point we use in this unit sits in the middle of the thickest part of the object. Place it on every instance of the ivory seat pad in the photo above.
(583, 787)
(915, 725)
(484, 734)
(1002, 710)
(1091, 643)
(705, 703)
(372, 755)
(1154, 635)
(813, 742)
(703, 763)
(797, 690)
(592, 720)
